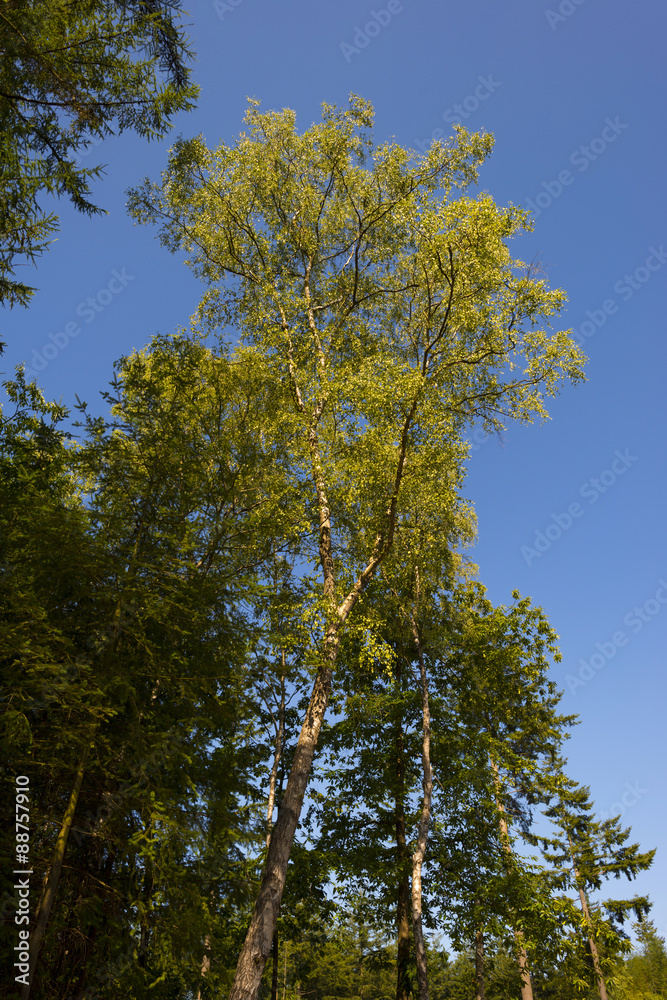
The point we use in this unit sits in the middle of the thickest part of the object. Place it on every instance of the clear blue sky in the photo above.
(575, 95)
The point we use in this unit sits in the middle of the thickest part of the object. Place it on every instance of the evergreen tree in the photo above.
(127, 705)
(492, 672)
(71, 71)
(586, 852)
(644, 975)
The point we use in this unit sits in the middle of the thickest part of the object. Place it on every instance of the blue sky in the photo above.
(570, 512)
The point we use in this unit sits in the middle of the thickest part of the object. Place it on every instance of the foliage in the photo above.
(71, 71)
(124, 640)
(644, 975)
(275, 502)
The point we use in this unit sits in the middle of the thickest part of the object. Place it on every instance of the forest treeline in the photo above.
(278, 741)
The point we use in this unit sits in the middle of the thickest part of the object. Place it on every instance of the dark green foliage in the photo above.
(585, 853)
(118, 637)
(71, 72)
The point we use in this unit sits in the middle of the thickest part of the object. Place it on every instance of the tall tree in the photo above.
(491, 673)
(118, 638)
(487, 668)
(51, 705)
(384, 314)
(71, 72)
(645, 972)
(586, 852)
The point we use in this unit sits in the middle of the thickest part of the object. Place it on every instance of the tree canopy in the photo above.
(261, 551)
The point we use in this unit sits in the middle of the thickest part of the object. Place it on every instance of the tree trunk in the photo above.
(479, 965)
(205, 963)
(52, 878)
(259, 939)
(602, 989)
(522, 959)
(522, 954)
(274, 975)
(424, 821)
(403, 989)
(280, 736)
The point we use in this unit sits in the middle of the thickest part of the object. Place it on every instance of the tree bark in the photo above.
(403, 989)
(424, 820)
(205, 964)
(280, 733)
(522, 954)
(52, 878)
(522, 960)
(274, 973)
(480, 993)
(280, 736)
(602, 989)
(259, 939)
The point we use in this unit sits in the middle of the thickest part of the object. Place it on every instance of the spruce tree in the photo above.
(586, 852)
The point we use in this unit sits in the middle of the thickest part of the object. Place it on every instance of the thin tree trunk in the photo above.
(259, 939)
(205, 964)
(479, 965)
(522, 954)
(280, 735)
(424, 821)
(602, 989)
(403, 904)
(276, 960)
(52, 878)
(522, 961)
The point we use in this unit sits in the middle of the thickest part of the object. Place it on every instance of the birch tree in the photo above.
(384, 310)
